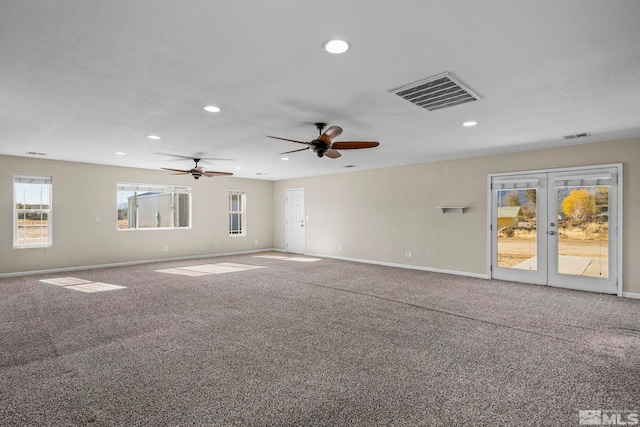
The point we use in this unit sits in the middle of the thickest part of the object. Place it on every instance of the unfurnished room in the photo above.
(329, 213)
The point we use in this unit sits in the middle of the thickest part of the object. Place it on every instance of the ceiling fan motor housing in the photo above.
(319, 147)
(197, 171)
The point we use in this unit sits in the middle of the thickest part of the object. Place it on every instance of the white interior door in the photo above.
(557, 228)
(294, 220)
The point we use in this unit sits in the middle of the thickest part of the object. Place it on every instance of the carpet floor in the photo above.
(318, 343)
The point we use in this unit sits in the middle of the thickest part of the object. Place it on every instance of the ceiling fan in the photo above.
(197, 171)
(324, 145)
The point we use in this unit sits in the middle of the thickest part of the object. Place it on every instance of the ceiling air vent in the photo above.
(434, 93)
(577, 135)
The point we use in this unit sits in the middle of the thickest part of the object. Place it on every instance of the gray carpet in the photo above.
(324, 343)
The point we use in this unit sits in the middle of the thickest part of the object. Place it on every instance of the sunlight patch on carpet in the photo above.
(242, 266)
(212, 268)
(182, 272)
(81, 285)
(65, 281)
(207, 269)
(94, 287)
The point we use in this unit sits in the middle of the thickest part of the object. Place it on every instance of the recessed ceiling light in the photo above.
(153, 137)
(238, 167)
(336, 46)
(469, 124)
(120, 153)
(212, 109)
(284, 158)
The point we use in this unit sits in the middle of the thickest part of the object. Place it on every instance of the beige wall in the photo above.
(374, 215)
(82, 192)
(377, 215)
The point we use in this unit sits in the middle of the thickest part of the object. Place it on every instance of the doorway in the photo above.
(294, 220)
(557, 228)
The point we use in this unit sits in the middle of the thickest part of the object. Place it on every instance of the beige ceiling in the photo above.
(81, 80)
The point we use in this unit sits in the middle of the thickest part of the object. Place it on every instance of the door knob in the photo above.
(551, 232)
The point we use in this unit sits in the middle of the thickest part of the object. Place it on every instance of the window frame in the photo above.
(42, 181)
(139, 189)
(241, 213)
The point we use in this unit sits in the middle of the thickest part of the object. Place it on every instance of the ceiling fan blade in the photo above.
(290, 140)
(331, 134)
(182, 171)
(332, 154)
(200, 156)
(295, 151)
(354, 145)
(210, 174)
(214, 158)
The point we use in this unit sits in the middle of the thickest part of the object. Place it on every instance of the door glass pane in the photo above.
(516, 222)
(583, 230)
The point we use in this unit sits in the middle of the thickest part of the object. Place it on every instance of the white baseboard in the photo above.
(407, 266)
(633, 295)
(435, 270)
(126, 263)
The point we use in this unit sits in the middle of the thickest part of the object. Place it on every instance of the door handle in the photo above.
(551, 232)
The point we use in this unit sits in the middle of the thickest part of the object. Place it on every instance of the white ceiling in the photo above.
(80, 80)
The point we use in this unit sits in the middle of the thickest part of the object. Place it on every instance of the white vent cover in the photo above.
(434, 93)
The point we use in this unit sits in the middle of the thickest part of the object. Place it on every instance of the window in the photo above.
(148, 206)
(237, 213)
(32, 211)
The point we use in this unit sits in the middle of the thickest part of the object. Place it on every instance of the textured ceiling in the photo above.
(82, 80)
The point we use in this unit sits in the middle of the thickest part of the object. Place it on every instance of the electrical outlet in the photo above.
(256, 242)
(408, 254)
(166, 248)
(339, 247)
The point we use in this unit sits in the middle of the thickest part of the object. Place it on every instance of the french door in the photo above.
(557, 228)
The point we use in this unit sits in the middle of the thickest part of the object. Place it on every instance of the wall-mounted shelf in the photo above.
(443, 209)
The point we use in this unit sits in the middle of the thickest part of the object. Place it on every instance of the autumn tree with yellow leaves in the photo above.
(580, 204)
